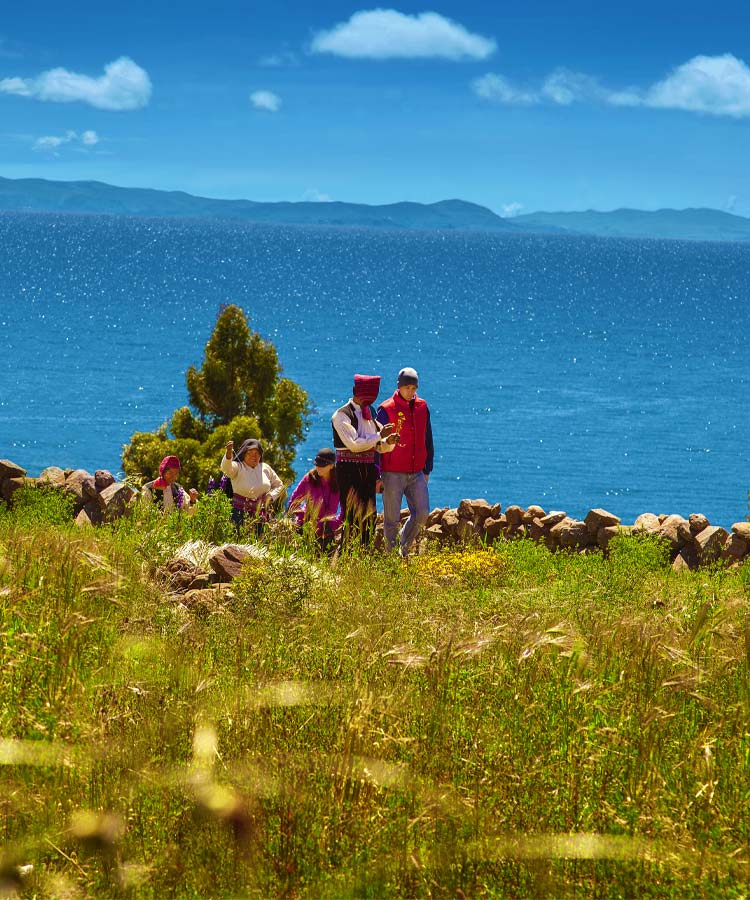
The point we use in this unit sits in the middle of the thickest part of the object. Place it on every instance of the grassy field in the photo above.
(501, 723)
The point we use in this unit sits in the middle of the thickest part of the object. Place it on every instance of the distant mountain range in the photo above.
(40, 195)
(684, 224)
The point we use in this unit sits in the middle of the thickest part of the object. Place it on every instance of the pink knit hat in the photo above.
(169, 462)
(367, 387)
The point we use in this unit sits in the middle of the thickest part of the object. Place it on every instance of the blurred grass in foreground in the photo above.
(504, 723)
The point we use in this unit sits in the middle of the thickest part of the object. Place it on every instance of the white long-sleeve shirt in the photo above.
(362, 439)
(252, 482)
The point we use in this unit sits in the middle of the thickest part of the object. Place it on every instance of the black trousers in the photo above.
(357, 490)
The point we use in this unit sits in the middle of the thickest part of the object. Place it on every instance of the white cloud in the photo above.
(564, 87)
(266, 100)
(313, 195)
(389, 34)
(277, 60)
(717, 85)
(52, 142)
(498, 89)
(508, 210)
(124, 85)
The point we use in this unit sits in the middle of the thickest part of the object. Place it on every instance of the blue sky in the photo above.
(520, 107)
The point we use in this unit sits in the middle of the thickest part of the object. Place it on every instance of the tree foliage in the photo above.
(237, 393)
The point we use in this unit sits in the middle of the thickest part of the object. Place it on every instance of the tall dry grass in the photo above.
(504, 723)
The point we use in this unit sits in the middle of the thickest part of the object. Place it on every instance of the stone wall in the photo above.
(692, 541)
(97, 498)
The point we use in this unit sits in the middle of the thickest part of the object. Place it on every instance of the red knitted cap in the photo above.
(367, 387)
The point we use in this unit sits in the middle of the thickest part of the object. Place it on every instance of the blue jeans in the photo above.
(414, 487)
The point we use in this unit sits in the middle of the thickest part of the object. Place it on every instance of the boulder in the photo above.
(574, 535)
(464, 529)
(449, 523)
(435, 532)
(531, 513)
(53, 477)
(9, 469)
(553, 518)
(697, 522)
(676, 530)
(686, 559)
(227, 561)
(496, 510)
(82, 519)
(8, 487)
(735, 548)
(81, 484)
(742, 529)
(94, 511)
(605, 535)
(436, 516)
(200, 581)
(599, 518)
(103, 479)
(481, 510)
(115, 499)
(513, 516)
(465, 510)
(710, 542)
(557, 529)
(537, 531)
(647, 523)
(492, 528)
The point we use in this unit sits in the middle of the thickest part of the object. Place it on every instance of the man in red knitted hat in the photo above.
(358, 437)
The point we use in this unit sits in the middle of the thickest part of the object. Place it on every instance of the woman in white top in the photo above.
(255, 485)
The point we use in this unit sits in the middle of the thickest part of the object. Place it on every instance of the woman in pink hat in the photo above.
(164, 492)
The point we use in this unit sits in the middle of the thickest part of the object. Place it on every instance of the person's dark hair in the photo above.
(316, 479)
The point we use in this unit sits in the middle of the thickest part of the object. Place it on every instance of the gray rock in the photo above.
(103, 479)
(81, 484)
(575, 535)
(676, 530)
(605, 535)
(116, 499)
(8, 487)
(600, 518)
(557, 529)
(531, 513)
(697, 522)
(9, 469)
(513, 516)
(492, 528)
(742, 529)
(436, 516)
(647, 523)
(537, 530)
(53, 477)
(553, 518)
(735, 547)
(710, 542)
(227, 561)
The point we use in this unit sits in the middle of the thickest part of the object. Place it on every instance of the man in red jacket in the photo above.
(406, 470)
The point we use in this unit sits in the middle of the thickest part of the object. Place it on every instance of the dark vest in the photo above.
(157, 495)
(349, 412)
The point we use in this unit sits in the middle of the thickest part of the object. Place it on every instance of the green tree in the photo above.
(237, 393)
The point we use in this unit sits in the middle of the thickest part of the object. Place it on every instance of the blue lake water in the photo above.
(573, 372)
